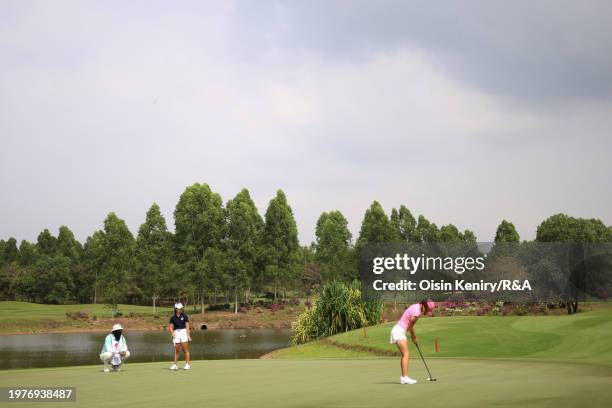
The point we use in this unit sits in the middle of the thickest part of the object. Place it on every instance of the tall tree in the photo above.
(53, 281)
(506, 232)
(214, 270)
(506, 242)
(46, 243)
(244, 237)
(310, 276)
(67, 245)
(11, 252)
(199, 220)
(375, 228)
(404, 224)
(153, 254)
(469, 236)
(27, 253)
(449, 233)
(427, 232)
(2, 248)
(88, 282)
(117, 258)
(6, 292)
(280, 241)
(586, 273)
(333, 247)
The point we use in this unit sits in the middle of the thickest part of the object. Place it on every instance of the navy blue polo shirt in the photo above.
(179, 321)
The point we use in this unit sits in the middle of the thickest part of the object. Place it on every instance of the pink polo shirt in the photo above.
(412, 311)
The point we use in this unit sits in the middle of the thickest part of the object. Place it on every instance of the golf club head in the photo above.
(431, 379)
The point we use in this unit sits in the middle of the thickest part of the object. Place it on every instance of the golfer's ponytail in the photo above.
(425, 304)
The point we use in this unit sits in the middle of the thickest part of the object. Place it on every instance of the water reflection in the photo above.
(68, 349)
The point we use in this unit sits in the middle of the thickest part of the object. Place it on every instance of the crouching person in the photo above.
(114, 351)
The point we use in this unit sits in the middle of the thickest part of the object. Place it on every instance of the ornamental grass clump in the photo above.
(338, 308)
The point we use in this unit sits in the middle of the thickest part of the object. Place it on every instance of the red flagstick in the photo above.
(436, 344)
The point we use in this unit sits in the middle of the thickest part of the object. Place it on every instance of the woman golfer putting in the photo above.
(179, 327)
(404, 324)
(114, 351)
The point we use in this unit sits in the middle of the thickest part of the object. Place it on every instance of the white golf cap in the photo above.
(178, 305)
(117, 327)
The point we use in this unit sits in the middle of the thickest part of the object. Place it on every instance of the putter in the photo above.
(430, 378)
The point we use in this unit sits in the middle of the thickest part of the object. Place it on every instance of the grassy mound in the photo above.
(579, 338)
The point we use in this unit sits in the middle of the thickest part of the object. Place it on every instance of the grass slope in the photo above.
(328, 383)
(35, 311)
(579, 338)
(23, 317)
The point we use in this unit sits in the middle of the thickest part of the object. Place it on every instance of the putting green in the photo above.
(329, 383)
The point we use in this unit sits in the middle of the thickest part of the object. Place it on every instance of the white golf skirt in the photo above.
(397, 333)
(180, 336)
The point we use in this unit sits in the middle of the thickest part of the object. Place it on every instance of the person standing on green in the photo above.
(179, 328)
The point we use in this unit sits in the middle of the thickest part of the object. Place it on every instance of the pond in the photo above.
(68, 349)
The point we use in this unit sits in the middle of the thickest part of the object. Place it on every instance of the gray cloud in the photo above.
(536, 51)
(109, 107)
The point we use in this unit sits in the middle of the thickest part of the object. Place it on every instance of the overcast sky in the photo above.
(466, 112)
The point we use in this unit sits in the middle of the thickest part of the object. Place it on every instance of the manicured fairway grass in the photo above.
(16, 317)
(580, 338)
(328, 383)
(25, 310)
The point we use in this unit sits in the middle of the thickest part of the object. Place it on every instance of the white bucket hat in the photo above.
(117, 327)
(178, 305)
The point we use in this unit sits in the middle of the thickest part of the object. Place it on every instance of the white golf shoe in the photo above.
(173, 367)
(187, 367)
(407, 380)
(106, 370)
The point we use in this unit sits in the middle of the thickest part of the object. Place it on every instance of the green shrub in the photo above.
(219, 307)
(338, 308)
(304, 328)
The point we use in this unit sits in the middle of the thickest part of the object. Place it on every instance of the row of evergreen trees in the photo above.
(218, 250)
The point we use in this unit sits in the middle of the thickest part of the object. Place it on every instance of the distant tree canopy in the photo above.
(507, 240)
(154, 256)
(506, 233)
(333, 249)
(404, 224)
(243, 243)
(228, 251)
(376, 227)
(563, 228)
(588, 264)
(280, 243)
(117, 270)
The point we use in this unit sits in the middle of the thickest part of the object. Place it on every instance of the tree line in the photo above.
(224, 251)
